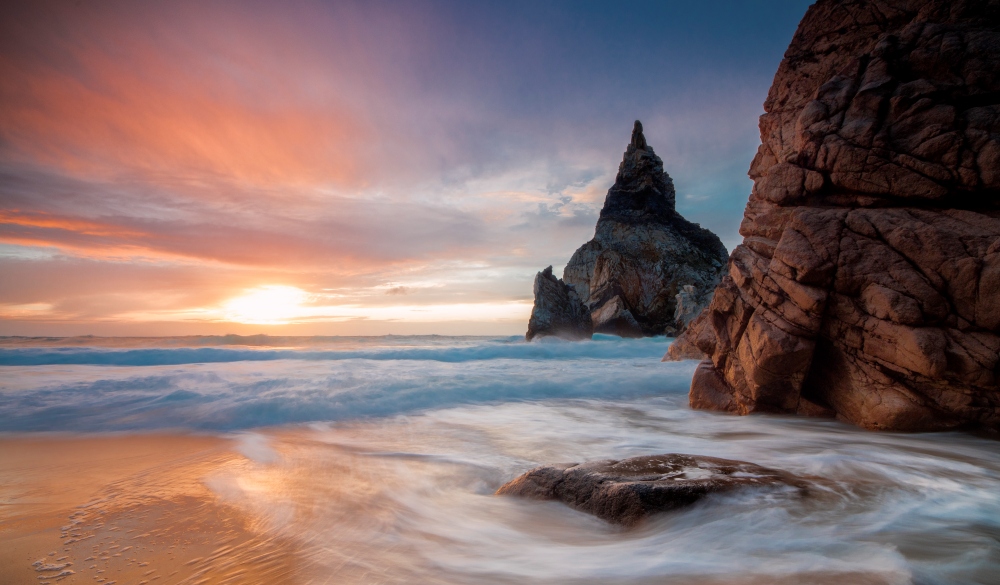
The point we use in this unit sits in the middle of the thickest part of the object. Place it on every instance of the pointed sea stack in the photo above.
(868, 281)
(644, 259)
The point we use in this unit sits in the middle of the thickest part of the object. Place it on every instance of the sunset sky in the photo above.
(349, 168)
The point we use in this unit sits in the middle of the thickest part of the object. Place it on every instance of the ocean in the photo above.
(375, 460)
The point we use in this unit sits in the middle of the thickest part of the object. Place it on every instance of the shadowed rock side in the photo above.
(627, 491)
(558, 311)
(868, 281)
(647, 271)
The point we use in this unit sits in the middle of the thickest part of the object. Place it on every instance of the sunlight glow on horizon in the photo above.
(282, 305)
(267, 305)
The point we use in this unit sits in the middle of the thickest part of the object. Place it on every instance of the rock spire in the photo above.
(643, 255)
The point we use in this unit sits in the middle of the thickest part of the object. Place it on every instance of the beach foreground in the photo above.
(376, 461)
(126, 509)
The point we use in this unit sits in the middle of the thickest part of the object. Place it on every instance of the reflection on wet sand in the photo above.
(127, 509)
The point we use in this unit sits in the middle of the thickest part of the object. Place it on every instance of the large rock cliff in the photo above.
(868, 281)
(647, 270)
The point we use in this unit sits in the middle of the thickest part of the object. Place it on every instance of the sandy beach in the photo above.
(124, 509)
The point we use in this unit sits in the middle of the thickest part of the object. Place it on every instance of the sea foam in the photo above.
(434, 348)
(224, 388)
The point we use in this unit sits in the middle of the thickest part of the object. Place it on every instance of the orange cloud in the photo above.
(49, 221)
(86, 92)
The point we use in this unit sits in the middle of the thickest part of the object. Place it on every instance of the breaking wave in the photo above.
(442, 349)
(219, 388)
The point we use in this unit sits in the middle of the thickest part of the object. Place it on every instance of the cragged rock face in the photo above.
(868, 281)
(558, 311)
(627, 491)
(644, 254)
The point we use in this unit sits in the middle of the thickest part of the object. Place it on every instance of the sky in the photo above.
(349, 168)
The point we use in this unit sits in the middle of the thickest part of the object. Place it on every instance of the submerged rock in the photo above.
(626, 491)
(644, 258)
(868, 281)
(558, 311)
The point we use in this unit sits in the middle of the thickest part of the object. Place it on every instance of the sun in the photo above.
(266, 305)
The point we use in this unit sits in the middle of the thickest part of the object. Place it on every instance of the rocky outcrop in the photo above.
(868, 281)
(627, 491)
(644, 258)
(558, 311)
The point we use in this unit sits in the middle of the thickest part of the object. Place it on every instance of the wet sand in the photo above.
(126, 509)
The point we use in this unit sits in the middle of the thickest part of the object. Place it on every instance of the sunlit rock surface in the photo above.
(644, 258)
(626, 491)
(868, 281)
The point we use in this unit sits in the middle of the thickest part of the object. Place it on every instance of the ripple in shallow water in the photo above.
(410, 499)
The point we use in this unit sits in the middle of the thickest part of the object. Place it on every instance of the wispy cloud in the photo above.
(160, 159)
